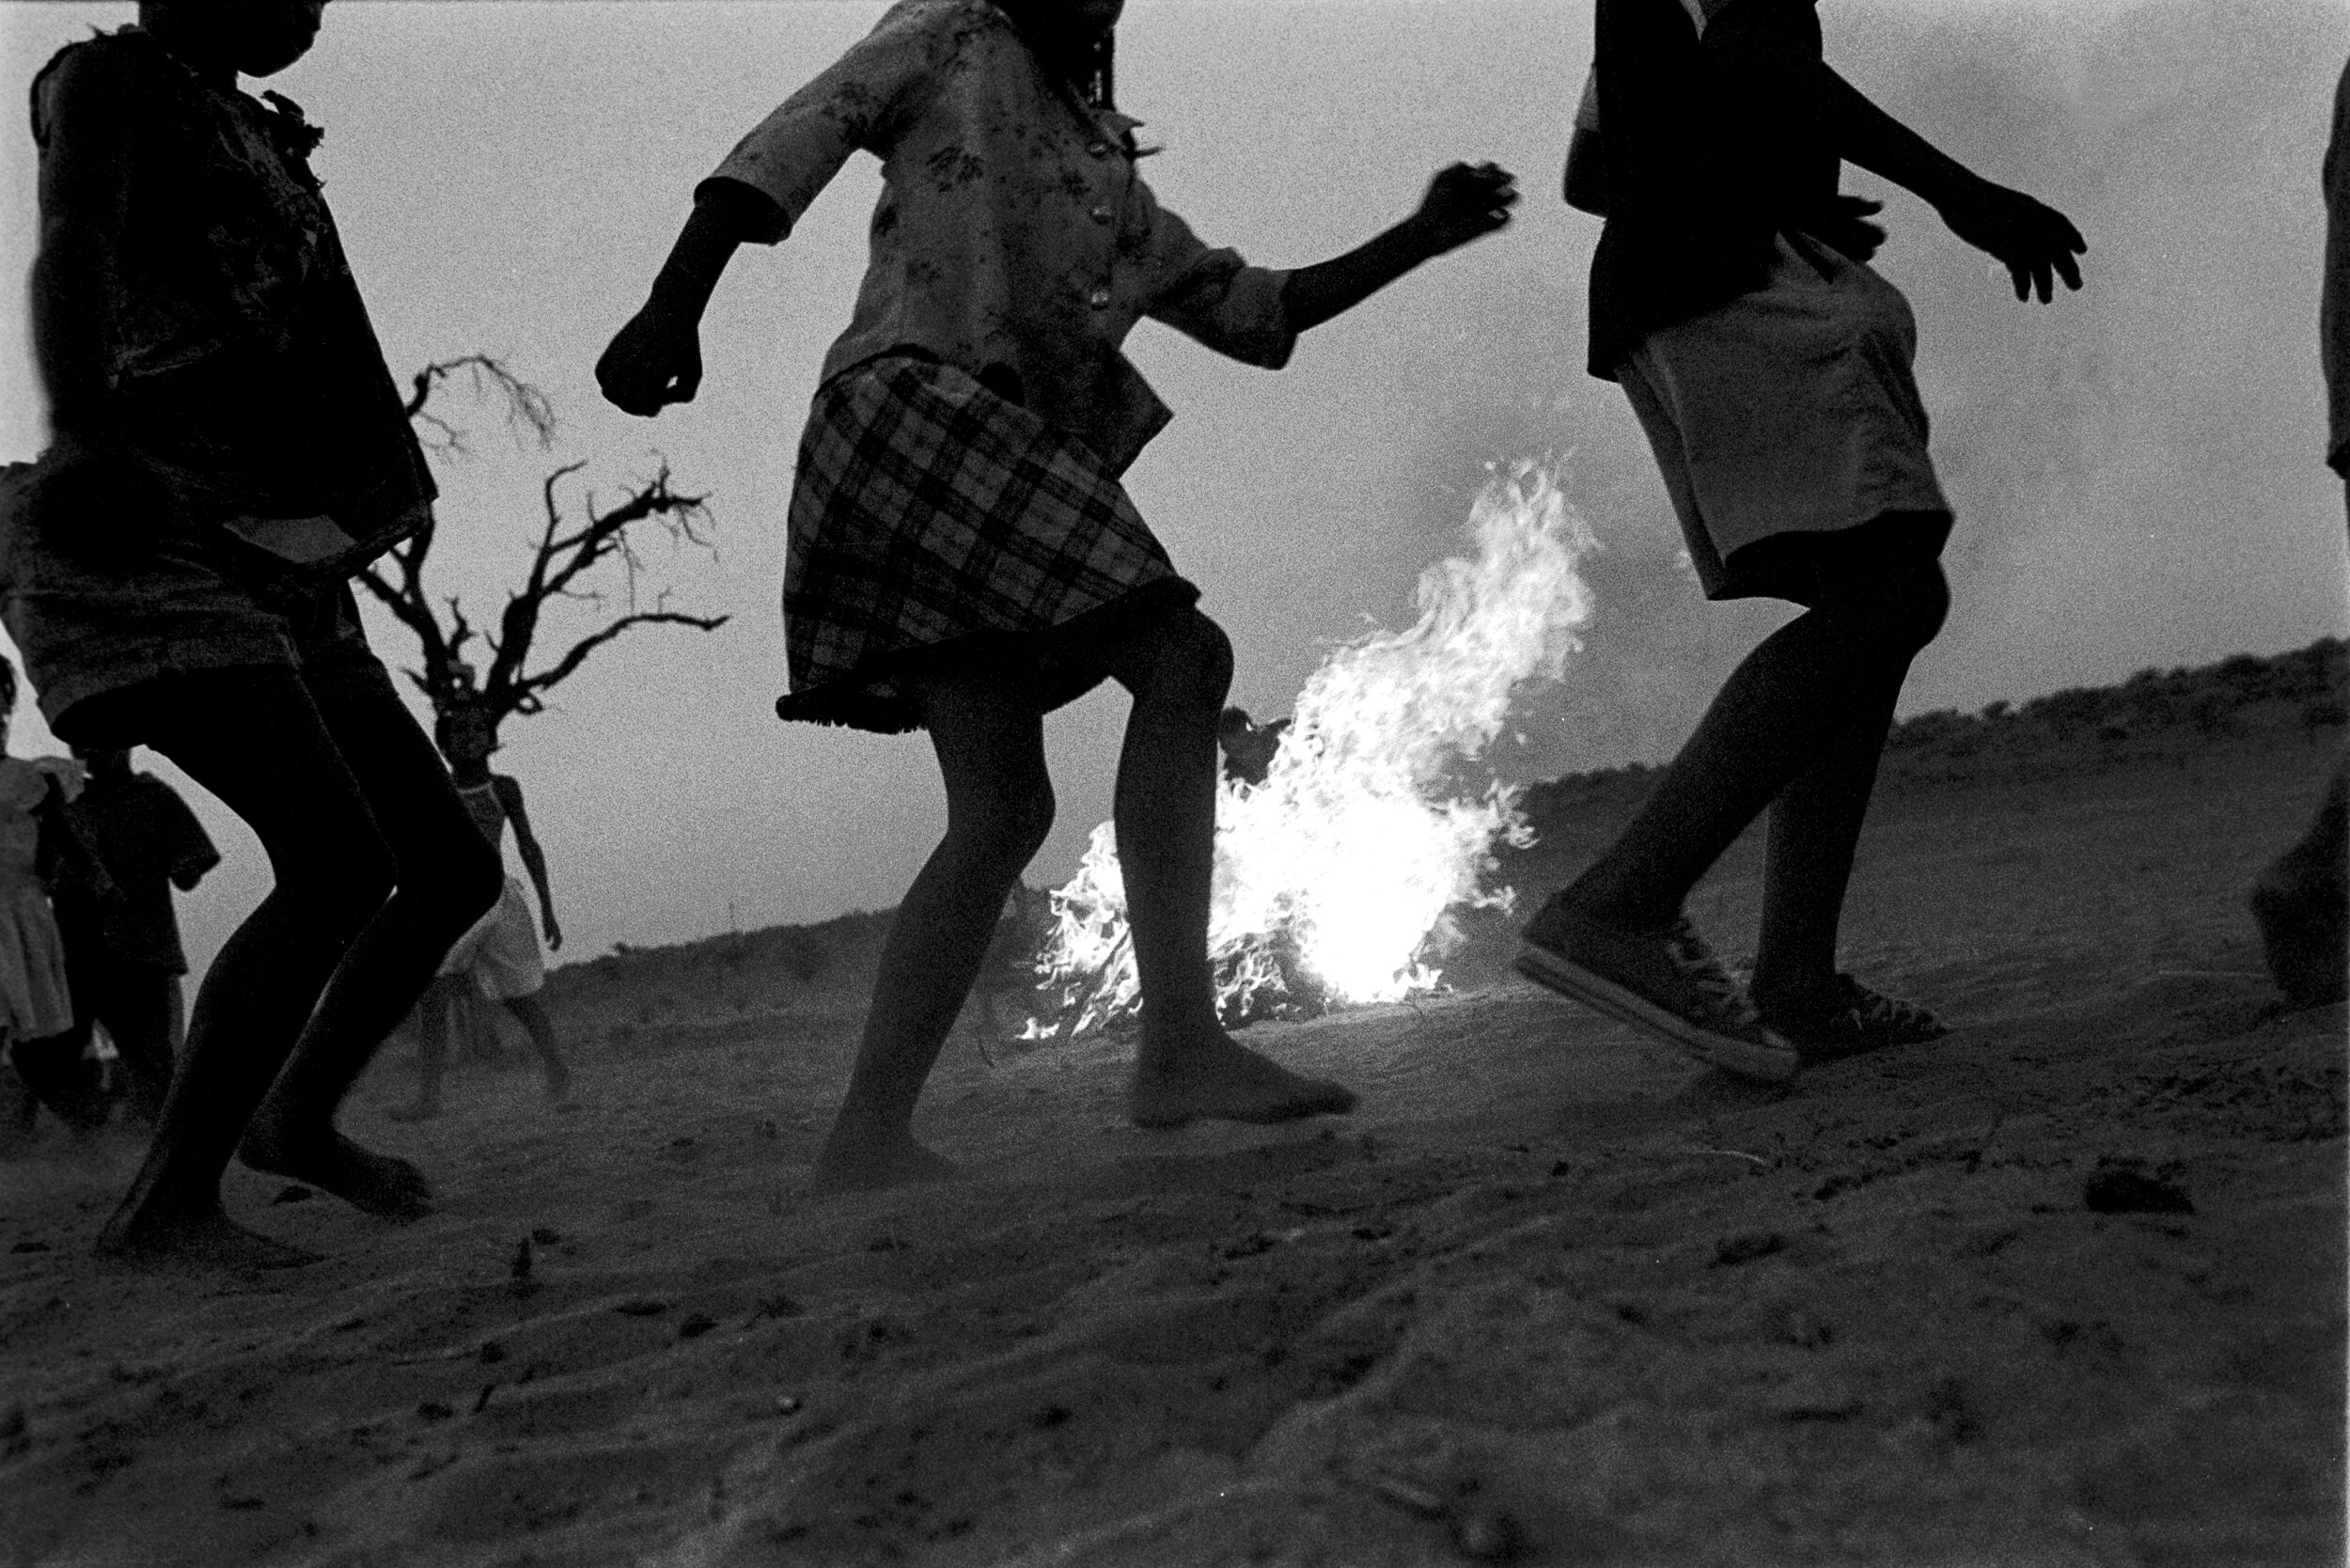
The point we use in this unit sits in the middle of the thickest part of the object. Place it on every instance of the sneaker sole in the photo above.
(1771, 1064)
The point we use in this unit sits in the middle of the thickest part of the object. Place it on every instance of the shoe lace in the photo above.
(1874, 1009)
(1697, 962)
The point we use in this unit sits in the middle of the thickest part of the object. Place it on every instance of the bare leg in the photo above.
(322, 969)
(134, 1005)
(1178, 670)
(532, 1011)
(434, 1012)
(444, 877)
(990, 743)
(60, 1077)
(1798, 728)
(2301, 904)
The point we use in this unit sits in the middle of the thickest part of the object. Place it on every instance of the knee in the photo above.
(461, 883)
(1199, 658)
(1900, 611)
(338, 894)
(1918, 601)
(1008, 825)
(446, 887)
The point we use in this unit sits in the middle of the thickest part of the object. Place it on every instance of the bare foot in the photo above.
(208, 1240)
(423, 1110)
(854, 1162)
(377, 1183)
(1213, 1077)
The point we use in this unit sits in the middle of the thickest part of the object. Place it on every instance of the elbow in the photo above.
(743, 214)
(1585, 192)
(1585, 181)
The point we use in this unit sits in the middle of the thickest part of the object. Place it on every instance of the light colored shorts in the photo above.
(501, 949)
(1791, 410)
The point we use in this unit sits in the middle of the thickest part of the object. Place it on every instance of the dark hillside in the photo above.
(789, 980)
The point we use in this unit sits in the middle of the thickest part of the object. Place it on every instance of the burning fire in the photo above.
(1339, 874)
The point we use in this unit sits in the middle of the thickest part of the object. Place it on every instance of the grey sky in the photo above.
(2136, 468)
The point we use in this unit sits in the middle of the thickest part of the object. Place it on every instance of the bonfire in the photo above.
(1339, 879)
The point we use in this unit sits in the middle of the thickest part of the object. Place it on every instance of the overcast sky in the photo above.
(2137, 468)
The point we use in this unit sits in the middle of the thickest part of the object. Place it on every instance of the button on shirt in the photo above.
(1013, 229)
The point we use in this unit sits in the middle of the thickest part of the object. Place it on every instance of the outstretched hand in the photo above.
(2033, 241)
(1465, 202)
(654, 361)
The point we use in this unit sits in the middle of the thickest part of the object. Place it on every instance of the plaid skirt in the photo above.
(937, 526)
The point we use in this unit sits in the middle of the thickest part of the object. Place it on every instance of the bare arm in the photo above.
(1462, 203)
(534, 858)
(655, 360)
(85, 194)
(2035, 241)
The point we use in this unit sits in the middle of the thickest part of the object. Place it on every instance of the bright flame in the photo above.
(1339, 873)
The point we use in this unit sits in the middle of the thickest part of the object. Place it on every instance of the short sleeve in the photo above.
(1214, 296)
(859, 102)
(182, 847)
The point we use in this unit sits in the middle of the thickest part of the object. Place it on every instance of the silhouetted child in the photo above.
(227, 447)
(962, 558)
(497, 958)
(123, 952)
(36, 992)
(2302, 899)
(1770, 367)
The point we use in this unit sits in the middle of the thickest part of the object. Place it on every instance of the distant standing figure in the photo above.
(1771, 369)
(123, 953)
(1248, 746)
(2301, 901)
(35, 994)
(497, 958)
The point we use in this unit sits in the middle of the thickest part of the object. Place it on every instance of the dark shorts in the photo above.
(204, 601)
(937, 526)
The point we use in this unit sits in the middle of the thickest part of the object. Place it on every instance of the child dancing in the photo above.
(228, 446)
(962, 557)
(1770, 367)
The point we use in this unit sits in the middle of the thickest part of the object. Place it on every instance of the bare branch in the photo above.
(564, 557)
(531, 686)
(528, 414)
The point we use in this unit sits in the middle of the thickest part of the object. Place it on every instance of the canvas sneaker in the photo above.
(1667, 983)
(1859, 1020)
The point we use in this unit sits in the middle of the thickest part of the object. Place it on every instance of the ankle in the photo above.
(1791, 994)
(1611, 902)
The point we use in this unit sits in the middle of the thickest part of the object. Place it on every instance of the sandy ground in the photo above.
(1550, 1296)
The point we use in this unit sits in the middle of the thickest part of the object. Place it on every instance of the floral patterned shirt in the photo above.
(1014, 237)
